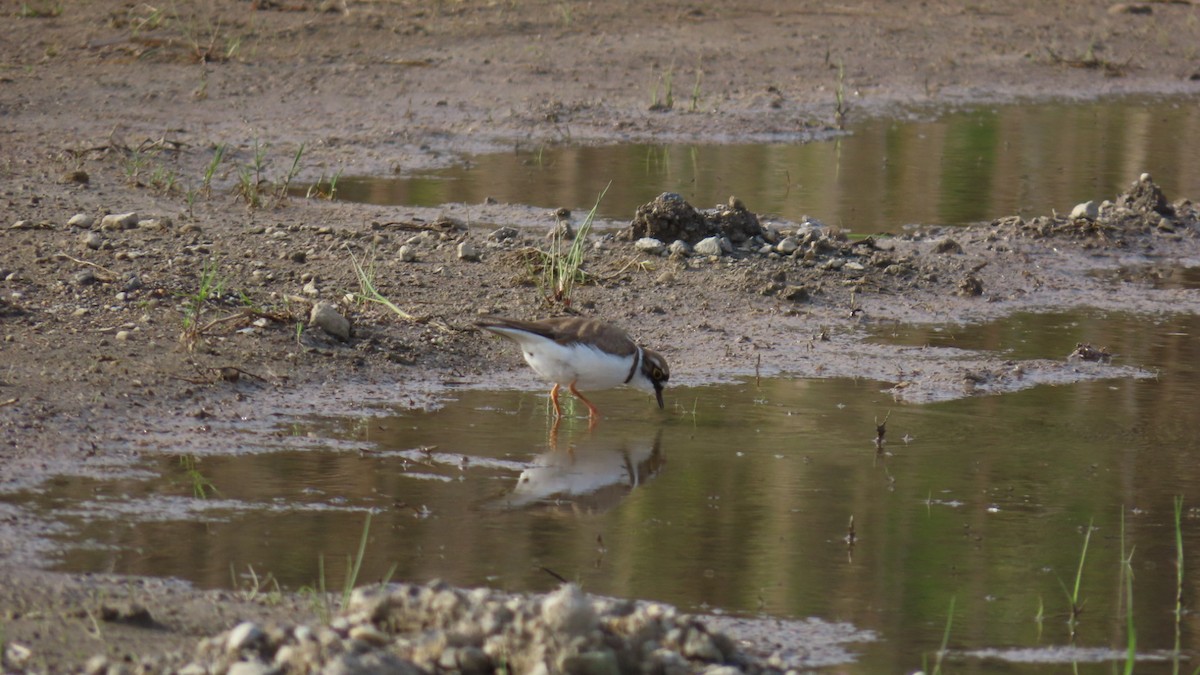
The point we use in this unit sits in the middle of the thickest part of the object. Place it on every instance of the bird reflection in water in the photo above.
(593, 474)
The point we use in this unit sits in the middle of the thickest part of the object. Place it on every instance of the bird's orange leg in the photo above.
(593, 413)
(554, 400)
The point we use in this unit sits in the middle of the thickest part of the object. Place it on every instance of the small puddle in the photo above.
(736, 500)
(960, 168)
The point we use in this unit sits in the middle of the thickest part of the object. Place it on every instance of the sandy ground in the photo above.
(109, 330)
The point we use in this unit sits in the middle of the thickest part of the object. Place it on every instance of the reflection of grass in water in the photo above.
(941, 652)
(201, 486)
(1073, 595)
(1126, 580)
(1178, 574)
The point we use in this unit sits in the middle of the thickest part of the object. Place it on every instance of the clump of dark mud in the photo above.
(669, 218)
(1141, 210)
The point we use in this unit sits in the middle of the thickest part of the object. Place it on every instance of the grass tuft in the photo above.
(210, 286)
(211, 170)
(563, 270)
(368, 292)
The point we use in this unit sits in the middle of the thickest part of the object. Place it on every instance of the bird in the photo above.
(583, 353)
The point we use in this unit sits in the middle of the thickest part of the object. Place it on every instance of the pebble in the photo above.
(649, 245)
(710, 246)
(795, 294)
(161, 223)
(467, 251)
(122, 336)
(787, 245)
(97, 665)
(325, 316)
(310, 288)
(408, 253)
(1130, 8)
(81, 220)
(568, 611)
(17, 654)
(369, 634)
(119, 221)
(92, 240)
(423, 238)
(245, 635)
(84, 277)
(699, 645)
(249, 668)
(948, 245)
(680, 247)
(503, 234)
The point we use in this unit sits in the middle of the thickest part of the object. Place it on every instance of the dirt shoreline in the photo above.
(109, 108)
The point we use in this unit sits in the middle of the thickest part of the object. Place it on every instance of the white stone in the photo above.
(119, 221)
(325, 316)
(1088, 210)
(787, 245)
(649, 245)
(81, 220)
(710, 246)
(568, 611)
(467, 251)
(408, 253)
(679, 247)
(243, 635)
(155, 223)
(248, 668)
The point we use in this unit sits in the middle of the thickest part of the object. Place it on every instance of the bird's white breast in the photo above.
(586, 366)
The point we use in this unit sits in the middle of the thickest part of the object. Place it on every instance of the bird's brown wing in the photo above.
(569, 330)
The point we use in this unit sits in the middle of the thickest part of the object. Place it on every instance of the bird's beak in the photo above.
(658, 394)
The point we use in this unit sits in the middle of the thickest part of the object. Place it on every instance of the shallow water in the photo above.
(963, 167)
(736, 499)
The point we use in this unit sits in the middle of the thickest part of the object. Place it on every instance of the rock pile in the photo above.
(436, 628)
